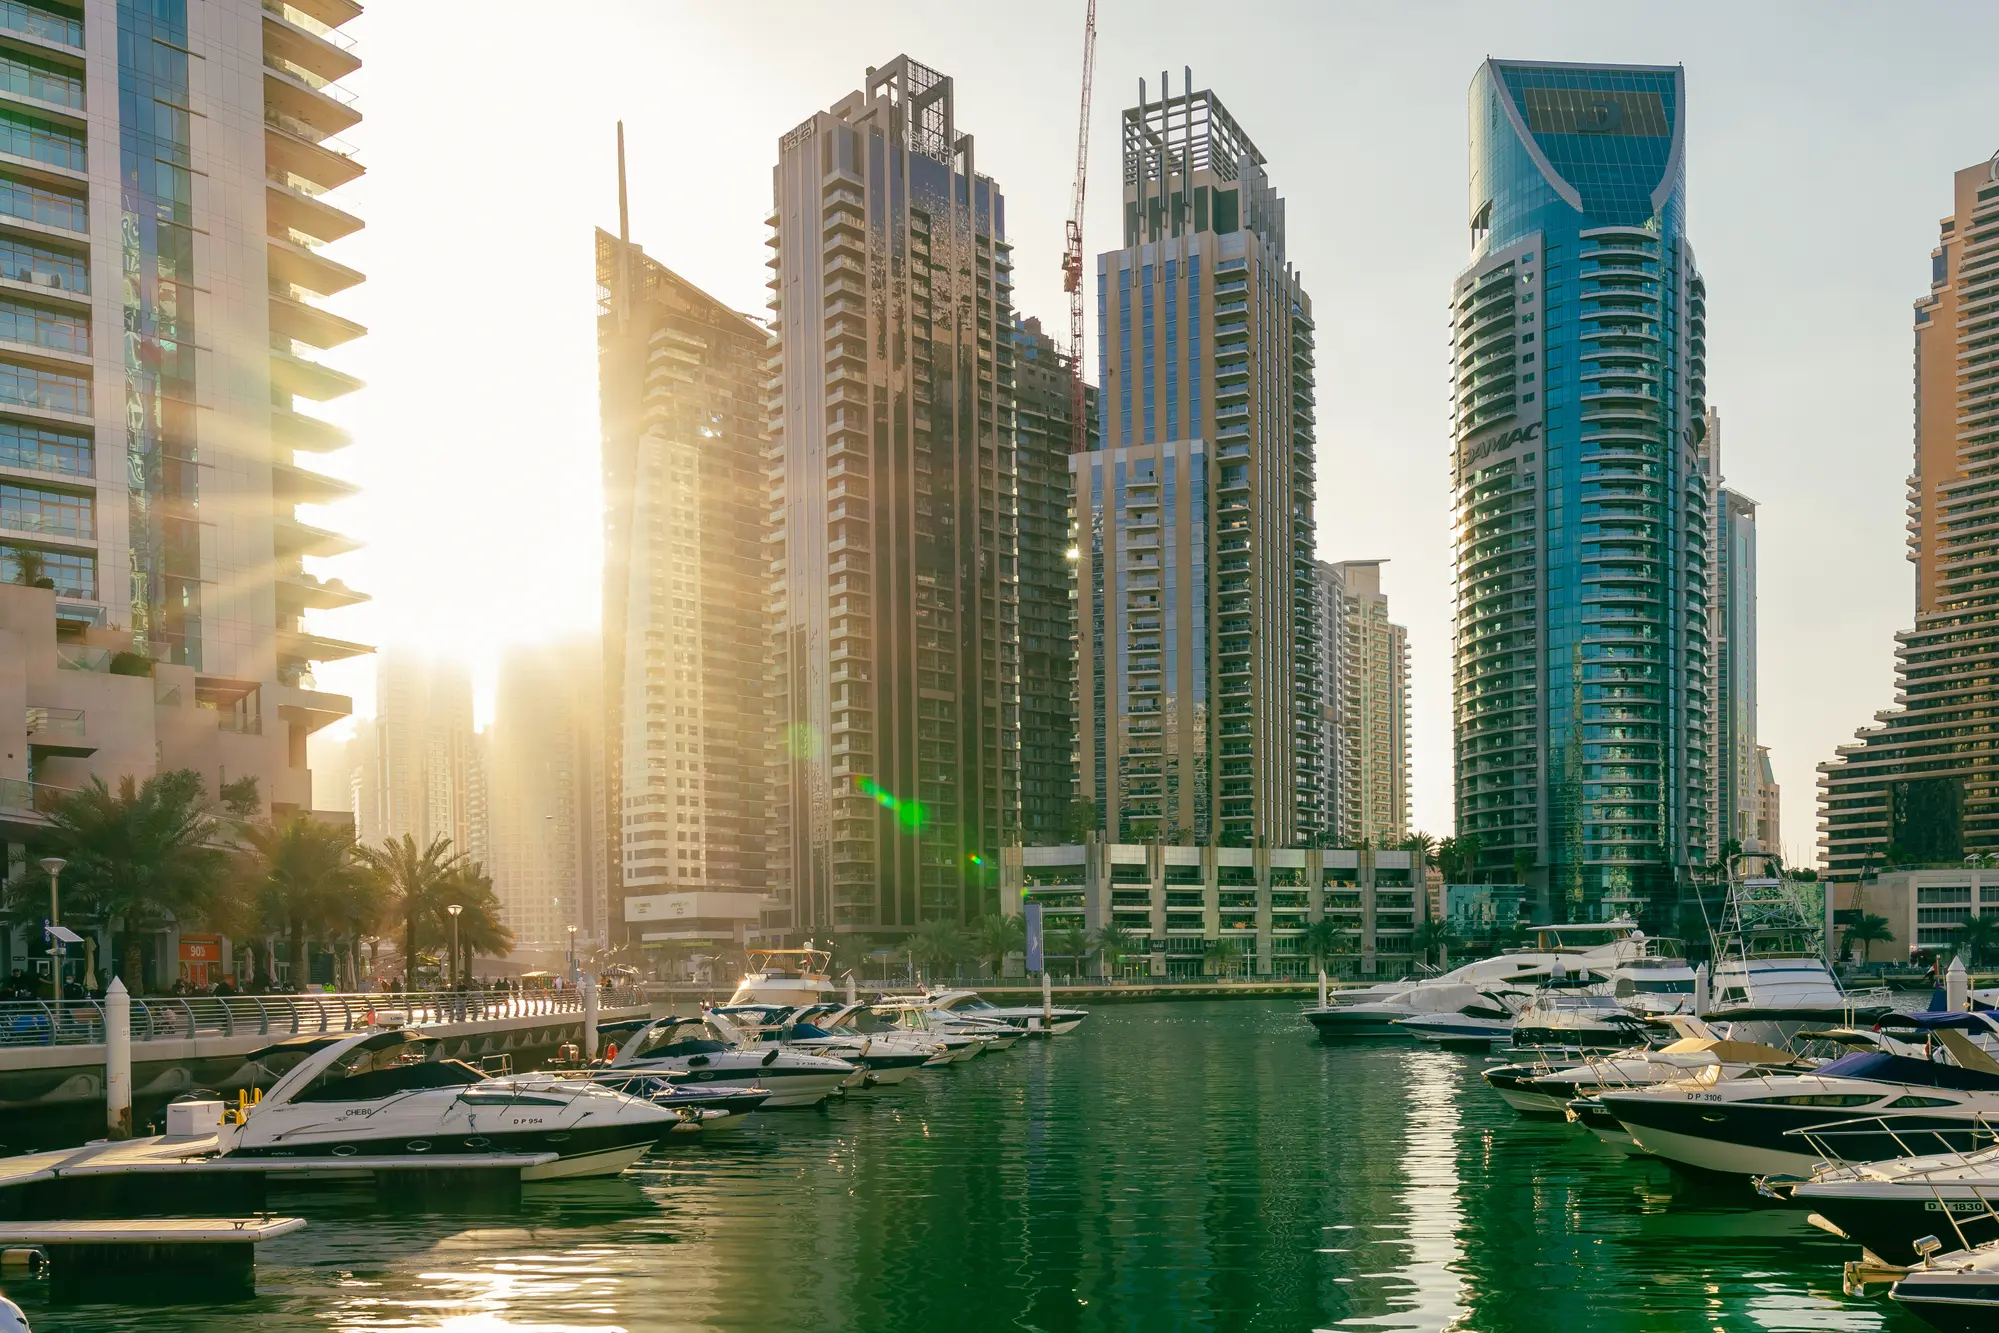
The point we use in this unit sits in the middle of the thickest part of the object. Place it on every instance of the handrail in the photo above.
(178, 1017)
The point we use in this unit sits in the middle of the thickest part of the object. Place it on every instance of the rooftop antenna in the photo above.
(624, 239)
(624, 213)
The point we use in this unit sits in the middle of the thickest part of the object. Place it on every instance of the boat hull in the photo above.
(1888, 1220)
(1741, 1139)
(1951, 1302)
(592, 1150)
(1371, 1024)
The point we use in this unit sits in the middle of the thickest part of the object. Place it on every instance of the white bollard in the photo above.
(850, 988)
(1047, 1001)
(590, 1018)
(1700, 991)
(118, 1060)
(1956, 987)
(1322, 988)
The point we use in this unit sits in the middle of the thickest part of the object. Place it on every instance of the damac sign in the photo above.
(1503, 440)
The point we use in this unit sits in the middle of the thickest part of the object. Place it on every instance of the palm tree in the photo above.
(1868, 931)
(1220, 956)
(304, 880)
(1419, 841)
(140, 859)
(1324, 940)
(1111, 943)
(1976, 937)
(995, 938)
(1071, 942)
(937, 944)
(410, 880)
(1434, 937)
(481, 931)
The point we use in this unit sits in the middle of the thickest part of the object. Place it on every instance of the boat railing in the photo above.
(1947, 1161)
(80, 1022)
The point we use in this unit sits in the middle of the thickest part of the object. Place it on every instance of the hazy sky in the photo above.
(1820, 145)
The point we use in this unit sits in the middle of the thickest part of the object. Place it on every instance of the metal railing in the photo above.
(164, 1018)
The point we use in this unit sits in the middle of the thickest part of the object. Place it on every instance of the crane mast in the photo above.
(1072, 253)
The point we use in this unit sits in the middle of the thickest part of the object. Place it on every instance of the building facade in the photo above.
(1177, 903)
(1583, 669)
(1922, 784)
(1373, 709)
(1197, 674)
(423, 750)
(1044, 438)
(893, 489)
(1328, 786)
(542, 770)
(164, 173)
(685, 734)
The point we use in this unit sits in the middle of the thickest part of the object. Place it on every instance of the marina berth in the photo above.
(708, 1051)
(1030, 1019)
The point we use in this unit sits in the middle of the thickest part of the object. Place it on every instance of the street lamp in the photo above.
(572, 956)
(454, 909)
(54, 866)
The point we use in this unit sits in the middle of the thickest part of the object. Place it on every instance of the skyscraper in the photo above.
(1373, 709)
(542, 773)
(686, 736)
(1198, 674)
(1044, 437)
(1738, 770)
(1328, 786)
(423, 738)
(1583, 676)
(163, 204)
(893, 486)
(1923, 784)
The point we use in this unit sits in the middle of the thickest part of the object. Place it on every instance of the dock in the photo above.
(178, 1174)
(156, 1260)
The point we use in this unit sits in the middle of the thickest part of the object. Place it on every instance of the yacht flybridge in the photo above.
(382, 1093)
(788, 977)
(1769, 965)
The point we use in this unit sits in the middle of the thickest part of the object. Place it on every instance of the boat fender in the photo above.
(11, 1318)
(772, 1056)
(611, 1052)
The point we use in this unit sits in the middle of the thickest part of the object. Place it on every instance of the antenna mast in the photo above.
(1072, 253)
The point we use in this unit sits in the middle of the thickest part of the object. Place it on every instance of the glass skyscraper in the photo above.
(1582, 675)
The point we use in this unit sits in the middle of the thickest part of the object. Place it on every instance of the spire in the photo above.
(624, 213)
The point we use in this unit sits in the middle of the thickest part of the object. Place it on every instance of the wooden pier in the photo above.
(159, 1260)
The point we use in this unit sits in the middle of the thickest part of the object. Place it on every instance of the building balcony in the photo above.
(299, 592)
(292, 210)
(322, 107)
(291, 539)
(293, 485)
(298, 645)
(295, 319)
(308, 379)
(295, 265)
(291, 150)
(306, 33)
(295, 431)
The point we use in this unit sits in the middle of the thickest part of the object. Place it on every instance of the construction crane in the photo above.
(1072, 253)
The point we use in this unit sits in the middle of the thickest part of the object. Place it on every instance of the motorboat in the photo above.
(1954, 1293)
(1658, 984)
(859, 1020)
(1887, 1206)
(886, 1059)
(388, 1093)
(707, 1051)
(1366, 1012)
(1485, 1017)
(1519, 1083)
(789, 977)
(917, 1019)
(703, 1109)
(1697, 1049)
(1866, 1106)
(1580, 1022)
(1029, 1018)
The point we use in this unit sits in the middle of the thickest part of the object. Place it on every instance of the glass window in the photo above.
(46, 450)
(35, 21)
(45, 266)
(53, 513)
(42, 80)
(38, 203)
(49, 390)
(58, 329)
(73, 572)
(41, 140)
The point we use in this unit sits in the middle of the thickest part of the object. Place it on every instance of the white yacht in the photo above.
(1378, 1010)
(1472, 1021)
(709, 1052)
(1954, 1293)
(919, 1020)
(1769, 965)
(888, 1060)
(789, 977)
(387, 1093)
(1026, 1017)
(1886, 1207)
(860, 1021)
(1658, 984)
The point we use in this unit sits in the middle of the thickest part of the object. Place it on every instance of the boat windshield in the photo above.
(373, 1071)
(674, 1039)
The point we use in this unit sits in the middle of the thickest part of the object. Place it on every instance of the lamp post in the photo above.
(454, 909)
(572, 955)
(54, 866)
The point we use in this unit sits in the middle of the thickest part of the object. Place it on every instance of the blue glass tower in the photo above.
(1583, 674)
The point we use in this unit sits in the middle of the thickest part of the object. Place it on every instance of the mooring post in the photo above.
(1701, 1004)
(1956, 987)
(118, 1060)
(1322, 988)
(1047, 1002)
(590, 1018)
(850, 987)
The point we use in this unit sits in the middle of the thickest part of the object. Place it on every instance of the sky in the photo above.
(1821, 140)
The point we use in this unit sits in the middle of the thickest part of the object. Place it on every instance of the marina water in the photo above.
(1193, 1165)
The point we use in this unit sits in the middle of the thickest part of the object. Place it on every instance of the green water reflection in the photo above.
(1197, 1166)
